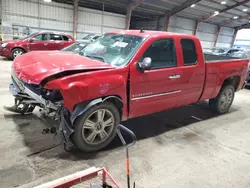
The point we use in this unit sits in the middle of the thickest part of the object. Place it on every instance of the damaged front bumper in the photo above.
(20, 89)
(65, 127)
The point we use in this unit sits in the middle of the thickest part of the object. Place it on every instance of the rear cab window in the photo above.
(188, 52)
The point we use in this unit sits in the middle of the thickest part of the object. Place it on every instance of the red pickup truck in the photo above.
(35, 41)
(122, 75)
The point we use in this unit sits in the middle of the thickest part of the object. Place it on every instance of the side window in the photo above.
(41, 37)
(46, 37)
(162, 53)
(55, 37)
(189, 52)
(38, 37)
(65, 38)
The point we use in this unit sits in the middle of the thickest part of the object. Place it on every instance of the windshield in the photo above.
(76, 47)
(114, 49)
(88, 37)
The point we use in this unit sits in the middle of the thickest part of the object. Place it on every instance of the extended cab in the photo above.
(34, 42)
(122, 75)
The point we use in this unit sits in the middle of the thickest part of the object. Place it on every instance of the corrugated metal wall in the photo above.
(206, 32)
(98, 21)
(39, 15)
(225, 38)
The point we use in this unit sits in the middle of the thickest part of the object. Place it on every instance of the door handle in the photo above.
(45, 44)
(174, 76)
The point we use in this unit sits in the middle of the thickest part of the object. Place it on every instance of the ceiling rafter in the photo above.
(183, 6)
(236, 8)
(244, 26)
(156, 6)
(224, 10)
(242, 5)
(235, 20)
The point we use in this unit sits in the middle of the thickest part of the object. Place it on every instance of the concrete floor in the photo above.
(187, 147)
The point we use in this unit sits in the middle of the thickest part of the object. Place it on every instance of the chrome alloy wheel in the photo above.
(98, 126)
(226, 99)
(17, 53)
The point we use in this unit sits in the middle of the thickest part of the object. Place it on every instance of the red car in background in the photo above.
(36, 41)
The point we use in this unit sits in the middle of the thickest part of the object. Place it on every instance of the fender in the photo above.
(83, 107)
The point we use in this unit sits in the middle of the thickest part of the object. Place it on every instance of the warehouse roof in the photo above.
(231, 13)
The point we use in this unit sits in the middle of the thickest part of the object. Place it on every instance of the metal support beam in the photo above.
(130, 7)
(166, 22)
(177, 9)
(217, 36)
(103, 8)
(75, 21)
(244, 26)
(234, 37)
(225, 9)
(158, 24)
(39, 15)
(195, 27)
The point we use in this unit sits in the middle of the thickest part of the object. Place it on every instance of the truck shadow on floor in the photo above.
(31, 126)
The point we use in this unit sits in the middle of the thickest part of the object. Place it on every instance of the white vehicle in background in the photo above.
(216, 51)
(238, 52)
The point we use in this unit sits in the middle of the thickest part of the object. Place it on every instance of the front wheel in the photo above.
(16, 52)
(224, 100)
(96, 128)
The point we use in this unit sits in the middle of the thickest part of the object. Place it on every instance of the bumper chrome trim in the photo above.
(31, 95)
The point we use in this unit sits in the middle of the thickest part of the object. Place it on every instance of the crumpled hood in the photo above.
(35, 66)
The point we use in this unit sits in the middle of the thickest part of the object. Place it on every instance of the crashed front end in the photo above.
(28, 96)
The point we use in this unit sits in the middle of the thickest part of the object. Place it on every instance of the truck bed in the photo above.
(218, 71)
(211, 57)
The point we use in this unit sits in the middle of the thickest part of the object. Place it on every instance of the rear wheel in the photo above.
(96, 128)
(16, 52)
(222, 103)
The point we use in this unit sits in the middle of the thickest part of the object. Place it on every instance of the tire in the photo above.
(89, 135)
(16, 52)
(222, 103)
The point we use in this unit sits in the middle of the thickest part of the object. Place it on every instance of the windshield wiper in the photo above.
(96, 57)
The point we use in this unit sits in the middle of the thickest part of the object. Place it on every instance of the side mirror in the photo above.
(144, 65)
(31, 40)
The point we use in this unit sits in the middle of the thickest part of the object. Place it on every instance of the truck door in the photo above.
(192, 71)
(159, 88)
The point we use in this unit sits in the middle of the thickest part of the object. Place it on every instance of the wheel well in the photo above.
(233, 80)
(116, 100)
(17, 48)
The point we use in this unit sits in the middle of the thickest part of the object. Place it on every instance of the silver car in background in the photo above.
(89, 38)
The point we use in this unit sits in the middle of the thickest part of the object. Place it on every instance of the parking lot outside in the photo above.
(182, 147)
